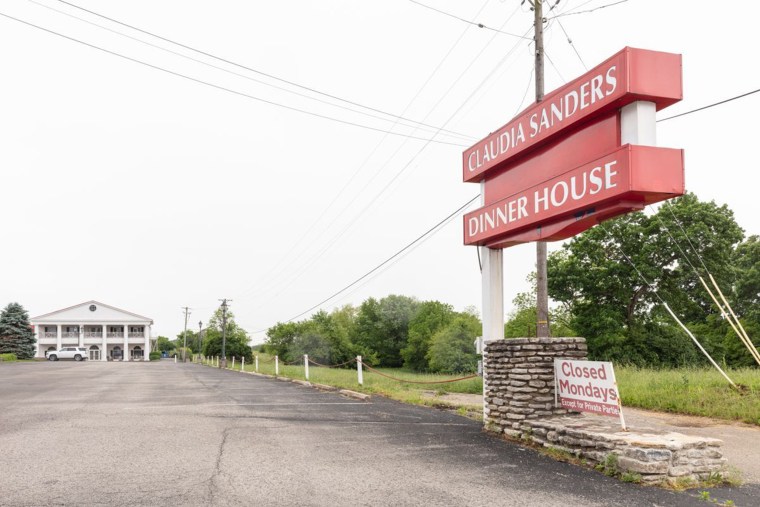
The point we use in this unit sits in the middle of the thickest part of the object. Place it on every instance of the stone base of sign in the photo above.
(519, 377)
(519, 402)
(656, 457)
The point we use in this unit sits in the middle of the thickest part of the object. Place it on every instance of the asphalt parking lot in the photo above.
(181, 434)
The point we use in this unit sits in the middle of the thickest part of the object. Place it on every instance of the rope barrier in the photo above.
(419, 381)
(332, 365)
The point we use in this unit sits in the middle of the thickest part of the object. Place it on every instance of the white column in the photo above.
(59, 346)
(492, 277)
(104, 342)
(38, 336)
(638, 123)
(126, 342)
(81, 335)
(146, 331)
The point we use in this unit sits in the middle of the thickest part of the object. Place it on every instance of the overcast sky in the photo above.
(150, 191)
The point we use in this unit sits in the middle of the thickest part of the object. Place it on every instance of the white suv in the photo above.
(75, 353)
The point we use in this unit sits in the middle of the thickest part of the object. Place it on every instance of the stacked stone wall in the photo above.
(519, 401)
(519, 378)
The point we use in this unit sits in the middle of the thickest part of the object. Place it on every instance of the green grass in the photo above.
(694, 391)
(8, 358)
(346, 378)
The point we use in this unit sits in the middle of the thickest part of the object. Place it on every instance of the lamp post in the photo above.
(200, 330)
(224, 333)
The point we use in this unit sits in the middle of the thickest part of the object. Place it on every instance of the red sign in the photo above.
(555, 157)
(630, 75)
(559, 168)
(637, 174)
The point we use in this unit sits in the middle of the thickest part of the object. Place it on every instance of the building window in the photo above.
(94, 353)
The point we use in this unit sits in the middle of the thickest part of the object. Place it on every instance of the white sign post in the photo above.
(587, 386)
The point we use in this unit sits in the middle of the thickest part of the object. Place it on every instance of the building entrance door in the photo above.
(94, 353)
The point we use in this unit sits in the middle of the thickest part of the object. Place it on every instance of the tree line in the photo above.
(394, 331)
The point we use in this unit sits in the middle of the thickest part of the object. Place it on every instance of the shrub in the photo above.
(154, 356)
(8, 357)
(452, 349)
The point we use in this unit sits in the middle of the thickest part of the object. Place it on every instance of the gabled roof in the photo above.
(82, 313)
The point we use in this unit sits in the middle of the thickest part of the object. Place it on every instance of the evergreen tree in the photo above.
(16, 335)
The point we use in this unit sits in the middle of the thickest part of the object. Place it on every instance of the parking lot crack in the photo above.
(213, 485)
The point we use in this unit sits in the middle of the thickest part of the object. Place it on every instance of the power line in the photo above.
(249, 78)
(572, 13)
(277, 269)
(570, 41)
(241, 66)
(666, 306)
(386, 261)
(229, 90)
(709, 105)
(327, 247)
(294, 276)
(479, 25)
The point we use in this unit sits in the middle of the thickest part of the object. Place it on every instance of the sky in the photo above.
(322, 139)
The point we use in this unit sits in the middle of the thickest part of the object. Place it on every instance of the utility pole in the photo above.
(200, 331)
(184, 335)
(542, 289)
(224, 332)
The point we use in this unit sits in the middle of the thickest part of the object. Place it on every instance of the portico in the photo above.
(108, 333)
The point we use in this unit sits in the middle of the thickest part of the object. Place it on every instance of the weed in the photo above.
(704, 496)
(610, 465)
(631, 477)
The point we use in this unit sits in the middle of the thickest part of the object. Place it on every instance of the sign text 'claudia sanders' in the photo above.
(550, 115)
(629, 75)
(587, 386)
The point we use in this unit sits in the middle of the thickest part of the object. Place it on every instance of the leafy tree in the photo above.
(16, 335)
(621, 314)
(429, 319)
(236, 342)
(747, 300)
(523, 319)
(452, 349)
(280, 338)
(192, 339)
(164, 344)
(382, 327)
(325, 337)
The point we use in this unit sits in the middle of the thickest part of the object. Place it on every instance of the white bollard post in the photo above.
(242, 364)
(359, 370)
(175, 358)
(257, 364)
(276, 365)
(306, 366)
(233, 362)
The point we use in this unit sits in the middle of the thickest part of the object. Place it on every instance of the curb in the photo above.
(354, 394)
(302, 382)
(324, 387)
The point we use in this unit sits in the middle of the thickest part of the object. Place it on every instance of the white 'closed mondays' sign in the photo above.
(587, 386)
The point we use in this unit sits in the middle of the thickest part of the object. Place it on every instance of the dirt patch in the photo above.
(457, 399)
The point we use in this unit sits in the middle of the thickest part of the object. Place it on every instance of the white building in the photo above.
(107, 332)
